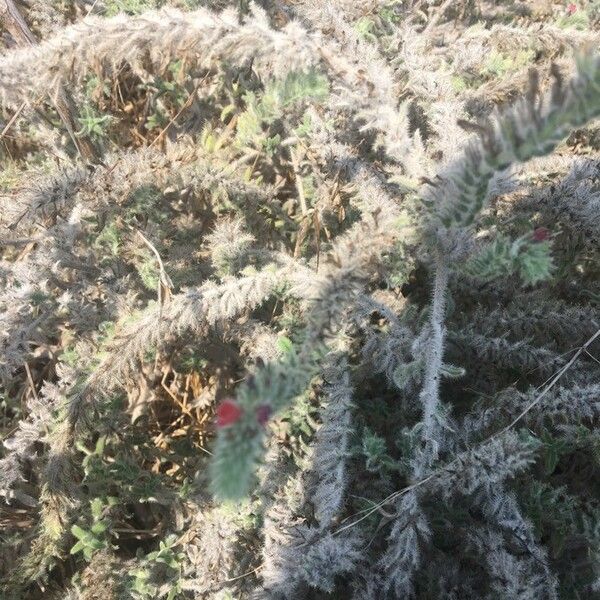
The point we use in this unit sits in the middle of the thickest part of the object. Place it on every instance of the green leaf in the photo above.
(503, 257)
(97, 506)
(407, 373)
(79, 533)
(374, 449)
(96, 544)
(78, 547)
(535, 263)
(99, 527)
(553, 449)
(284, 344)
(451, 371)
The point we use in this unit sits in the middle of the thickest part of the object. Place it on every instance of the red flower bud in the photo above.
(263, 412)
(541, 234)
(228, 412)
(572, 8)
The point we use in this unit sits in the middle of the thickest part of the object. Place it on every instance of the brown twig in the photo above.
(298, 180)
(12, 120)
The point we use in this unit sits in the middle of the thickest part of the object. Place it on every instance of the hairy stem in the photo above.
(430, 393)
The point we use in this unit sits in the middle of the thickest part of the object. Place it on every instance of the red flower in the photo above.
(263, 412)
(541, 234)
(228, 412)
(572, 8)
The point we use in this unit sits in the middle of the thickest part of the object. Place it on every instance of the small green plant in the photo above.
(374, 450)
(365, 27)
(109, 239)
(148, 270)
(93, 124)
(9, 176)
(530, 258)
(498, 64)
(96, 88)
(97, 536)
(552, 450)
(264, 109)
(69, 356)
(166, 563)
(144, 204)
(130, 7)
(168, 94)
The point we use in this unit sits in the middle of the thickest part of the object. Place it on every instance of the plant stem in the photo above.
(430, 394)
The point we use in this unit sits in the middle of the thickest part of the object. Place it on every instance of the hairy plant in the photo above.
(317, 315)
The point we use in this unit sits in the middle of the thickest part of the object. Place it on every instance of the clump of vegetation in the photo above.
(299, 300)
